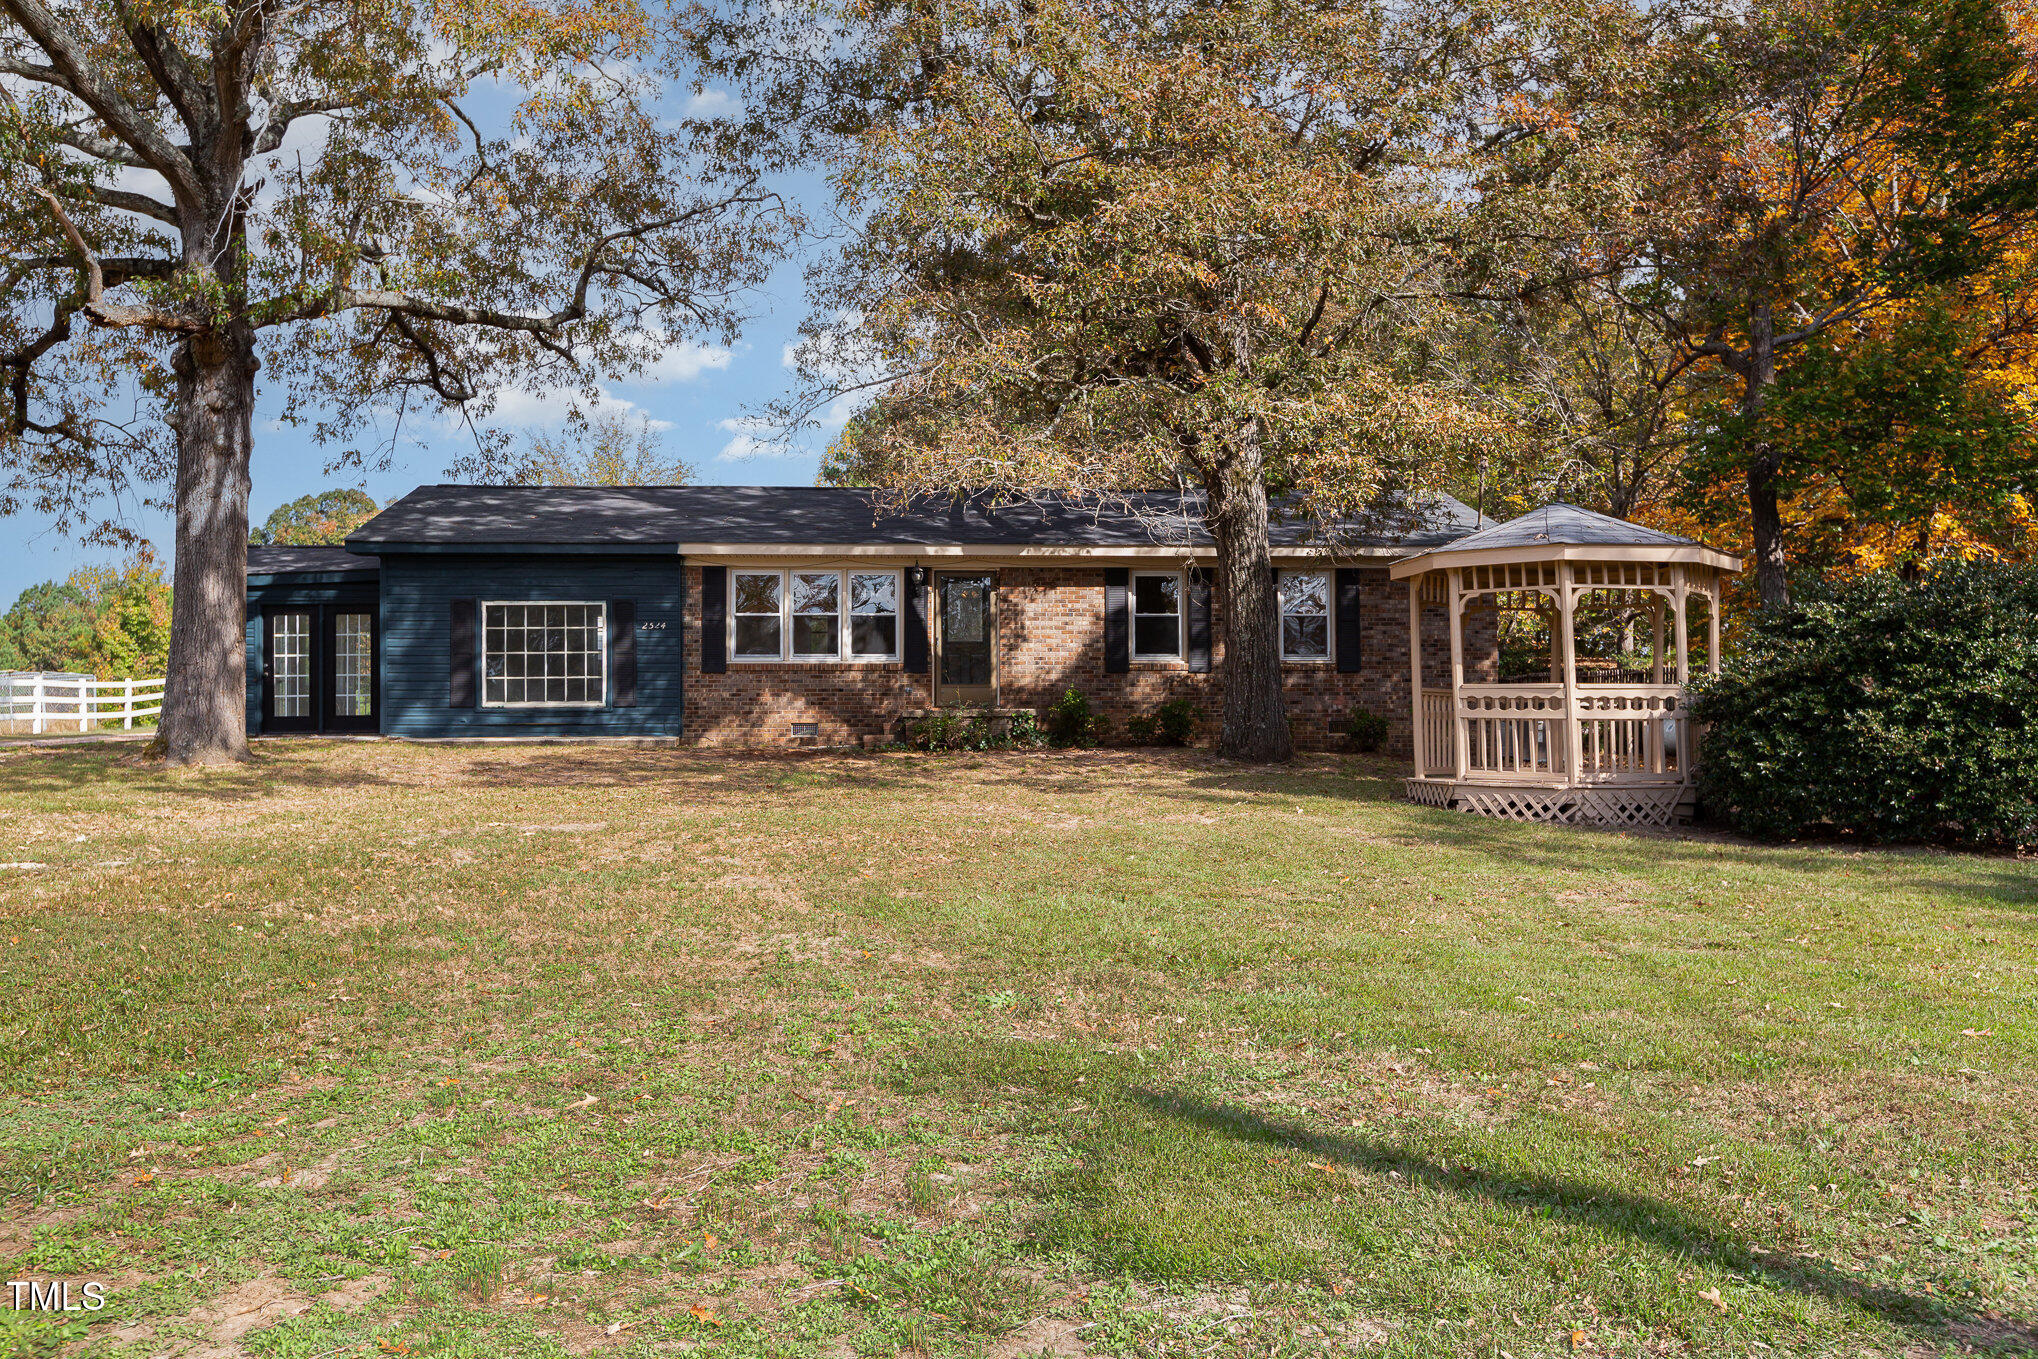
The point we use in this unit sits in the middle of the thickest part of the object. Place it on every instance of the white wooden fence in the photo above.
(41, 702)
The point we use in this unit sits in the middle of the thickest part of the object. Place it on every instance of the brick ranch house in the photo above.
(777, 616)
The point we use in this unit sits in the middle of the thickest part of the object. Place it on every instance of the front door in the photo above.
(320, 670)
(965, 634)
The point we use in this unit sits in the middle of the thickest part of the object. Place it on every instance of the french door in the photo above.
(321, 669)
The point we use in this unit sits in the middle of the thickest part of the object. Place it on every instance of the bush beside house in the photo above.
(1886, 709)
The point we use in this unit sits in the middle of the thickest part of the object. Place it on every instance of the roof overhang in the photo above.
(1021, 551)
(500, 549)
(880, 551)
(1442, 559)
(258, 580)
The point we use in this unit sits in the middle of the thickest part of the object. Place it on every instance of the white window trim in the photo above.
(1281, 617)
(1133, 615)
(844, 628)
(784, 603)
(481, 651)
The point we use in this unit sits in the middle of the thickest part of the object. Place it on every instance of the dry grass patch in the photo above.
(531, 1051)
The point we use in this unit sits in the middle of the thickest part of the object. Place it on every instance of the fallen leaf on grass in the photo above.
(1577, 1340)
(703, 1313)
(1712, 1295)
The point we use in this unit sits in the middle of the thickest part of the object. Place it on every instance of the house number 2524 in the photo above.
(651, 627)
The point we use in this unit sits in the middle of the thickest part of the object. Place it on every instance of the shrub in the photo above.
(1174, 722)
(1024, 731)
(940, 730)
(1367, 731)
(1171, 724)
(946, 730)
(1071, 722)
(1885, 709)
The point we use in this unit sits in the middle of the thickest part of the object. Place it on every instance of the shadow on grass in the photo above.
(122, 769)
(1660, 1224)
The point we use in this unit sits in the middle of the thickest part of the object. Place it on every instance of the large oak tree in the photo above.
(381, 205)
(1111, 245)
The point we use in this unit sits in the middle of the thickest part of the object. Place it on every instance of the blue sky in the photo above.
(695, 401)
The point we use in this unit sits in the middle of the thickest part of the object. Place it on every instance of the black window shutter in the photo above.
(1348, 582)
(914, 647)
(1199, 620)
(714, 620)
(622, 653)
(1117, 622)
(460, 656)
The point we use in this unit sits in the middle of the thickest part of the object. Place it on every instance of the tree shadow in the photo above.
(52, 771)
(1663, 1225)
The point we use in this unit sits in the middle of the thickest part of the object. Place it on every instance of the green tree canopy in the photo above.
(322, 517)
(1808, 164)
(108, 621)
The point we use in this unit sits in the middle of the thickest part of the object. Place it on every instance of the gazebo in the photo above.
(1604, 740)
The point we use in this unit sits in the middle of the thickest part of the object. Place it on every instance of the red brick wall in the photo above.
(1051, 639)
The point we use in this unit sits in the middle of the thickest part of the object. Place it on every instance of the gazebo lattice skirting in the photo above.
(1588, 742)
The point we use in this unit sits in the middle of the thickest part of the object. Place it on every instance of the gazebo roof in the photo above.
(1562, 532)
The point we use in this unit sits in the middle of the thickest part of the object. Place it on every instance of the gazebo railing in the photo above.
(1515, 730)
(1630, 731)
(1626, 733)
(1435, 736)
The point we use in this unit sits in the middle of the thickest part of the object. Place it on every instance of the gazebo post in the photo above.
(1712, 626)
(1574, 742)
(1415, 668)
(1679, 590)
(1458, 753)
(1656, 639)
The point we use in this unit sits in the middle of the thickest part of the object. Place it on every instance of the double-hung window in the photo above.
(815, 616)
(544, 654)
(874, 614)
(1305, 615)
(759, 615)
(1157, 615)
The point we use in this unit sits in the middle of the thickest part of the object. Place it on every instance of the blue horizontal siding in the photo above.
(417, 610)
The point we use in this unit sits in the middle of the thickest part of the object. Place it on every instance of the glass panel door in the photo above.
(287, 677)
(352, 684)
(966, 626)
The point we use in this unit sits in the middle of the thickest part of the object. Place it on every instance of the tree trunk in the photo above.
(205, 696)
(1255, 719)
(1765, 462)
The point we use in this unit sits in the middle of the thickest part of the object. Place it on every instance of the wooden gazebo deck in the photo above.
(1575, 745)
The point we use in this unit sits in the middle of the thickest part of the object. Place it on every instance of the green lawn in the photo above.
(382, 1049)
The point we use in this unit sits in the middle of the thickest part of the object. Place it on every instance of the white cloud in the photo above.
(683, 362)
(550, 409)
(713, 104)
(753, 440)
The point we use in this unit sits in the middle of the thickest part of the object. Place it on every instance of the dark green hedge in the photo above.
(1883, 708)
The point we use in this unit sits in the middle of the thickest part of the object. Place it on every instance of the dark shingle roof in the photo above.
(796, 516)
(271, 561)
